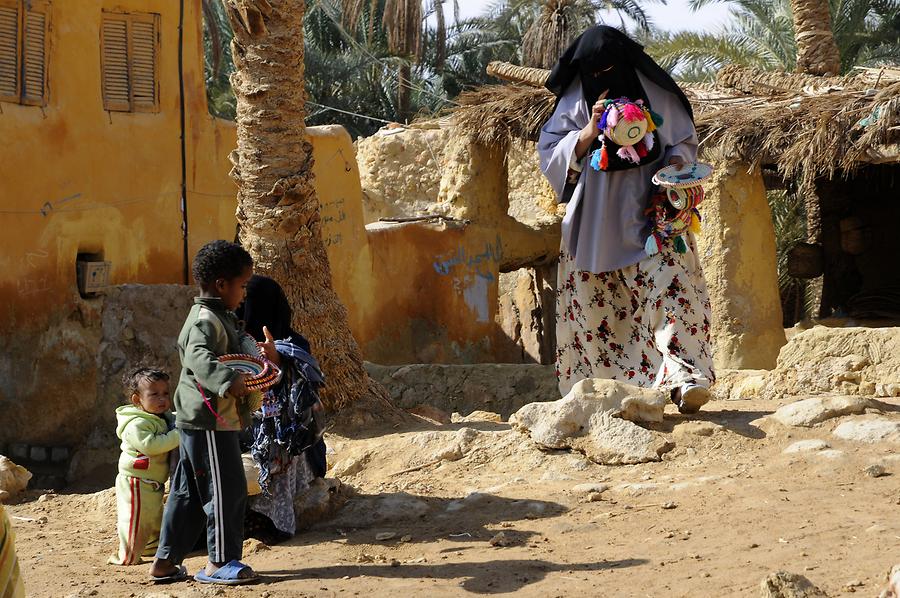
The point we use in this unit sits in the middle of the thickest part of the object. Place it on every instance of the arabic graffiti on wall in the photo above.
(477, 263)
(333, 215)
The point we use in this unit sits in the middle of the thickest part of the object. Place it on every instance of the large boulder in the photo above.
(869, 431)
(809, 412)
(590, 419)
(13, 478)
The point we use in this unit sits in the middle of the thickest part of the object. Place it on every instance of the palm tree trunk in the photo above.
(817, 52)
(278, 210)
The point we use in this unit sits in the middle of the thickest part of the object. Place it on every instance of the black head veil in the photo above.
(605, 58)
(266, 305)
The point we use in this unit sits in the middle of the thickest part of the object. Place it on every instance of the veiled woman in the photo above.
(622, 314)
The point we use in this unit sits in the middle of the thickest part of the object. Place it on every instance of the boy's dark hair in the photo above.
(133, 379)
(220, 259)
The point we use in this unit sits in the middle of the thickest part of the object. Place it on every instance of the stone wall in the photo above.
(140, 326)
(401, 171)
(737, 251)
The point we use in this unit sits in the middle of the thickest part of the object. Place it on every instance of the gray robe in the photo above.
(605, 227)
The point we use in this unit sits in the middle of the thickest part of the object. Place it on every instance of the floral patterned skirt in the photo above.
(647, 324)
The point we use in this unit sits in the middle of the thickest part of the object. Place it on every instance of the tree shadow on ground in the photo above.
(428, 519)
(733, 420)
(491, 577)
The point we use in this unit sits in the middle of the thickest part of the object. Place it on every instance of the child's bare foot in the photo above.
(165, 569)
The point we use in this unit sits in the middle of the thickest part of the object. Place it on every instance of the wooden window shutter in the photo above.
(35, 21)
(144, 51)
(9, 50)
(130, 62)
(114, 62)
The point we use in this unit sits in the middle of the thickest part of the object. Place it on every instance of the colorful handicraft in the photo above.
(673, 210)
(261, 373)
(628, 125)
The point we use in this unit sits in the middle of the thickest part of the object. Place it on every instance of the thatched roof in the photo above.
(807, 125)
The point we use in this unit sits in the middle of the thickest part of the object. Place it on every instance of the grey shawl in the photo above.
(605, 227)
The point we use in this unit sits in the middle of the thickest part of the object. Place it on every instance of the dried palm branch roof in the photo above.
(809, 126)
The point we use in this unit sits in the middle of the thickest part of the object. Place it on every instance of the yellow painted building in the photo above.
(109, 154)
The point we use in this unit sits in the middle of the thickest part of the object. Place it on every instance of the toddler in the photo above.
(145, 427)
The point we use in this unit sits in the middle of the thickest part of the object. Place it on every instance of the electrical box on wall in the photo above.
(93, 277)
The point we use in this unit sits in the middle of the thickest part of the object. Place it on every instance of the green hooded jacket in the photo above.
(146, 442)
(209, 332)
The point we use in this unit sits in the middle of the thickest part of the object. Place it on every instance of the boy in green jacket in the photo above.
(145, 428)
(209, 490)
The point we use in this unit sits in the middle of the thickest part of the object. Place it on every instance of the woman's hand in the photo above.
(590, 131)
(268, 348)
(677, 160)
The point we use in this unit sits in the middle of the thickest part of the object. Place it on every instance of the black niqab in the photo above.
(266, 305)
(604, 58)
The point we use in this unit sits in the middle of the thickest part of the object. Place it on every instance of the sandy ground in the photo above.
(719, 513)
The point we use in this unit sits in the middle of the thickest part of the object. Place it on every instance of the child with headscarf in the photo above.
(622, 314)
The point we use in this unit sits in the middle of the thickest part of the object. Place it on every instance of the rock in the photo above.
(432, 413)
(446, 446)
(738, 385)
(809, 412)
(500, 540)
(589, 488)
(599, 436)
(383, 536)
(46, 497)
(594, 497)
(320, 502)
(478, 416)
(252, 546)
(876, 471)
(369, 511)
(584, 420)
(869, 431)
(670, 505)
(13, 478)
(806, 446)
(406, 538)
(782, 584)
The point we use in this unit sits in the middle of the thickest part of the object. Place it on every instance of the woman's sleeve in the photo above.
(682, 136)
(556, 145)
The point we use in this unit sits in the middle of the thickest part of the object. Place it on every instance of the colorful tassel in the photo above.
(595, 160)
(648, 142)
(652, 246)
(656, 118)
(680, 245)
(651, 126)
(632, 113)
(613, 119)
(627, 152)
(641, 149)
(695, 223)
(604, 158)
(603, 121)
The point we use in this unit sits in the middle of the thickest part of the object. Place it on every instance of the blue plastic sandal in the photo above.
(228, 575)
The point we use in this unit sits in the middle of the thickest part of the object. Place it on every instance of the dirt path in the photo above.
(719, 513)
